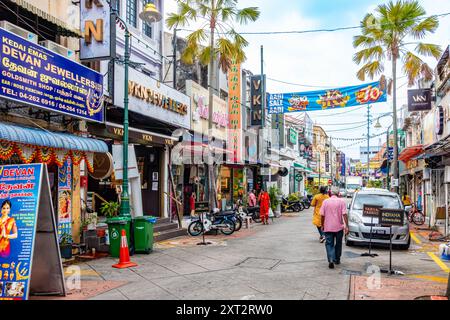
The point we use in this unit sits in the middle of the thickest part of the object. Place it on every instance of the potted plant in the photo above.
(275, 200)
(65, 245)
(110, 209)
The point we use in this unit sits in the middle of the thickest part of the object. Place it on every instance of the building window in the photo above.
(147, 30)
(132, 12)
(117, 7)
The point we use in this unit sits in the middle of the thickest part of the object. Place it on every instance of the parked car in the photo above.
(359, 226)
(343, 192)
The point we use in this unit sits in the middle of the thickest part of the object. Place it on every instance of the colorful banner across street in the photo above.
(326, 99)
(34, 75)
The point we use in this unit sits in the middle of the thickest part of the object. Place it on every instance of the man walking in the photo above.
(334, 223)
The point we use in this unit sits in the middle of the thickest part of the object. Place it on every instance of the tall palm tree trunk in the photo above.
(211, 83)
(394, 125)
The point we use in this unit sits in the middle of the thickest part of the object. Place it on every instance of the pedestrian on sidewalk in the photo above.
(264, 206)
(252, 198)
(317, 202)
(192, 204)
(334, 224)
(406, 199)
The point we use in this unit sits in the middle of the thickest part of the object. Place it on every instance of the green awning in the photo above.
(300, 166)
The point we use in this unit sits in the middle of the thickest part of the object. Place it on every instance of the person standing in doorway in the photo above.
(406, 199)
(252, 198)
(264, 206)
(192, 204)
(317, 204)
(334, 224)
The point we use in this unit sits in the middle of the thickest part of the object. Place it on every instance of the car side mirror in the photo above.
(348, 206)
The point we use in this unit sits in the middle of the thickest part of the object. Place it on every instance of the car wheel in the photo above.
(349, 243)
(405, 246)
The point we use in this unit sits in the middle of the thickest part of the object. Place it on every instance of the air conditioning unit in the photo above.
(426, 174)
(27, 35)
(52, 46)
(447, 174)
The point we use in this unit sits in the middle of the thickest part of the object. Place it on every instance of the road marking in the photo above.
(431, 278)
(414, 237)
(439, 262)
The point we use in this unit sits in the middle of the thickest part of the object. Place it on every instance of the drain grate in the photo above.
(260, 263)
(351, 272)
(351, 255)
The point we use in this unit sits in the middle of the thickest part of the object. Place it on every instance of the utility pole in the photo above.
(263, 115)
(331, 163)
(320, 169)
(175, 59)
(388, 161)
(368, 144)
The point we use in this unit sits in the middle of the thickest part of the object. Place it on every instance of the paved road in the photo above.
(281, 261)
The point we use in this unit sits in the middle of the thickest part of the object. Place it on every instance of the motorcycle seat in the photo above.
(226, 213)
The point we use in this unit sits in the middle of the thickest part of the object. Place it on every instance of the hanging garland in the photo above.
(6, 150)
(61, 156)
(45, 155)
(26, 153)
(77, 157)
(89, 157)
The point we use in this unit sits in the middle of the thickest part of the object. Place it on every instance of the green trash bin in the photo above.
(115, 227)
(143, 234)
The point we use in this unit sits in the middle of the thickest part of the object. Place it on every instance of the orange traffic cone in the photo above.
(124, 258)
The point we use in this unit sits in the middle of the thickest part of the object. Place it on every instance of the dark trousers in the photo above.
(334, 245)
(320, 231)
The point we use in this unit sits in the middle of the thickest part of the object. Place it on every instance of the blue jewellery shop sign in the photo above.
(34, 75)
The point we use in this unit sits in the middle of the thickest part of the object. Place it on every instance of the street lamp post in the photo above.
(149, 15)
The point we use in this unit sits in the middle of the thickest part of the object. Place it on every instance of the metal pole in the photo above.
(390, 250)
(394, 109)
(320, 169)
(331, 163)
(263, 115)
(388, 161)
(125, 199)
(368, 144)
(446, 209)
(175, 59)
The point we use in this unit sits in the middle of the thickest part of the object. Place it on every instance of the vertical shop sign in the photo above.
(238, 183)
(234, 109)
(256, 96)
(65, 198)
(30, 249)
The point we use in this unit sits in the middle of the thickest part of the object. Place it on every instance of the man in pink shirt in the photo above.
(252, 199)
(334, 223)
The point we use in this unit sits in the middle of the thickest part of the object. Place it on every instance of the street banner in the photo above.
(371, 211)
(391, 217)
(326, 99)
(29, 251)
(34, 75)
(419, 100)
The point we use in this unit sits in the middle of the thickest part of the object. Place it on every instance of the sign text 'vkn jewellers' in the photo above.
(34, 75)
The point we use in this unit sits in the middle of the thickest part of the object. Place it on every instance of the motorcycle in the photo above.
(214, 220)
(306, 203)
(252, 212)
(295, 206)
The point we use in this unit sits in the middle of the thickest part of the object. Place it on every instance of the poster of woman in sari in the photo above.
(8, 229)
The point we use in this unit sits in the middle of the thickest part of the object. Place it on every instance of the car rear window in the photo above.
(386, 201)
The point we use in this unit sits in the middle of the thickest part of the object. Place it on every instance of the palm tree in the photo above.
(218, 17)
(385, 35)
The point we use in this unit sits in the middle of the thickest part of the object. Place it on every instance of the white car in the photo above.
(359, 226)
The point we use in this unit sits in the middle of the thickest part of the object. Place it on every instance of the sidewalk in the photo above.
(410, 286)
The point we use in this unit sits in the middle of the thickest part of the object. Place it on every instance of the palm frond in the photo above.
(363, 41)
(238, 39)
(372, 53)
(426, 72)
(243, 16)
(428, 49)
(198, 36)
(175, 19)
(370, 69)
(188, 55)
(205, 55)
(430, 24)
(411, 67)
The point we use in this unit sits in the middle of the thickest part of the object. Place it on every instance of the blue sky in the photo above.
(322, 59)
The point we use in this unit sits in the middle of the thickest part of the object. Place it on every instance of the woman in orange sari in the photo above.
(7, 225)
(264, 205)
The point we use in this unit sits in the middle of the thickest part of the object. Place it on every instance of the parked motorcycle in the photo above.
(306, 203)
(295, 206)
(215, 220)
(253, 212)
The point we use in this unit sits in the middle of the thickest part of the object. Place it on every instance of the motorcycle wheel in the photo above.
(306, 204)
(231, 227)
(195, 228)
(297, 207)
(302, 207)
(238, 223)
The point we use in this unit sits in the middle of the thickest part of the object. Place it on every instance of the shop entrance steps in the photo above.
(164, 229)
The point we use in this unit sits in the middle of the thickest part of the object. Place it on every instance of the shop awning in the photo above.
(410, 152)
(61, 27)
(300, 166)
(43, 138)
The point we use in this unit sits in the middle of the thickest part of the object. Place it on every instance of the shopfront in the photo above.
(45, 99)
